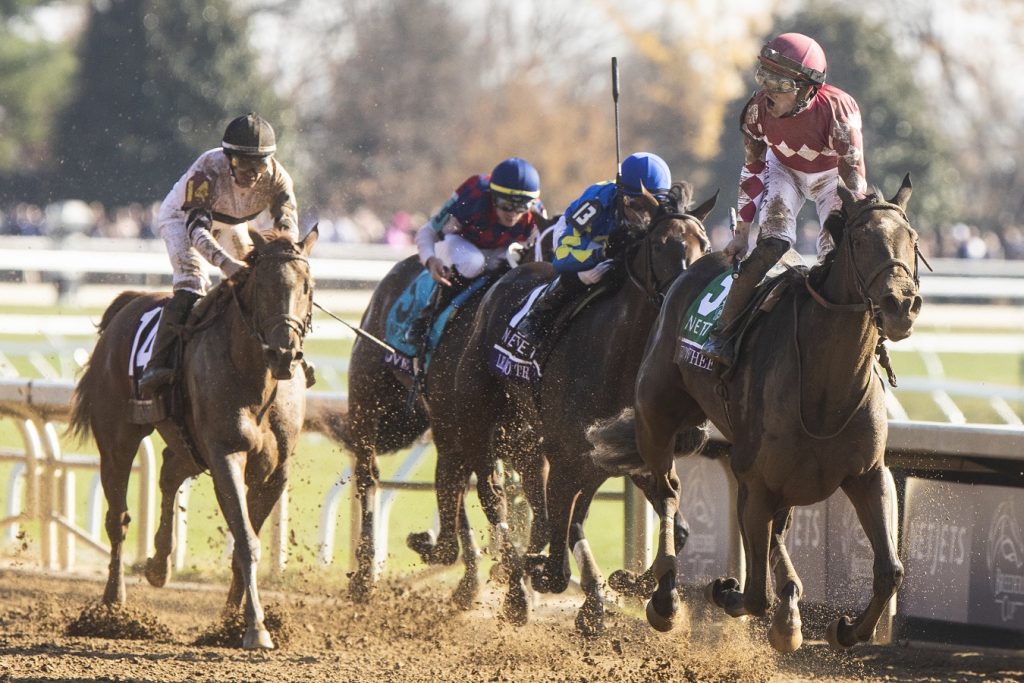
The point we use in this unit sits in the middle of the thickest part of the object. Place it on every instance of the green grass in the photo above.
(318, 463)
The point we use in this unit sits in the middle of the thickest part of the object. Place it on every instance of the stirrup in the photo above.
(154, 379)
(719, 349)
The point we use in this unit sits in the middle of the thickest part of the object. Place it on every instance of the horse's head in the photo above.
(879, 252)
(672, 237)
(281, 299)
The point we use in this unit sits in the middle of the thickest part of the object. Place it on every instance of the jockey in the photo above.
(207, 213)
(582, 234)
(471, 233)
(801, 136)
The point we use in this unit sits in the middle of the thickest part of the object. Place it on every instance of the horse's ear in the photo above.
(306, 245)
(848, 199)
(702, 211)
(258, 241)
(835, 225)
(682, 193)
(903, 194)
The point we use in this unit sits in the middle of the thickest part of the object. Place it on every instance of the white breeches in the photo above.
(466, 258)
(786, 191)
(186, 262)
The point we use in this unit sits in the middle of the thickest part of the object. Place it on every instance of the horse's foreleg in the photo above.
(469, 585)
(450, 480)
(590, 618)
(229, 484)
(785, 633)
(367, 482)
(755, 521)
(535, 478)
(553, 575)
(492, 500)
(261, 499)
(173, 473)
(873, 494)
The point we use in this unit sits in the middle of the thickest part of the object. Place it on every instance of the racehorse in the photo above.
(587, 374)
(381, 419)
(804, 409)
(243, 410)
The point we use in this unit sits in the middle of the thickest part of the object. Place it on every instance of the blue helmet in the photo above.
(515, 181)
(647, 169)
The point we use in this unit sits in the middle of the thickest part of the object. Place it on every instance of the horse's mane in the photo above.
(122, 300)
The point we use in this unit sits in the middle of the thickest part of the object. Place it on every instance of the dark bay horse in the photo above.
(804, 411)
(381, 420)
(588, 374)
(244, 407)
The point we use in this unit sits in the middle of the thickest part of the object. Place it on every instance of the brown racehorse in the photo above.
(588, 374)
(244, 407)
(381, 420)
(804, 410)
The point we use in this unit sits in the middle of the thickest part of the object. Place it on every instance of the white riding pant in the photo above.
(466, 258)
(186, 262)
(786, 191)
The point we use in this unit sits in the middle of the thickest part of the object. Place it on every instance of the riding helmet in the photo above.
(249, 135)
(515, 180)
(647, 170)
(796, 56)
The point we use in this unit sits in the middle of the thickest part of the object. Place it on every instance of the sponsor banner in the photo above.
(964, 554)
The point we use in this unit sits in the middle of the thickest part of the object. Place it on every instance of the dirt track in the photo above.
(410, 635)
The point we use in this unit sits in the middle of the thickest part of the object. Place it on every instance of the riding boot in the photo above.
(419, 331)
(539, 319)
(159, 370)
(720, 344)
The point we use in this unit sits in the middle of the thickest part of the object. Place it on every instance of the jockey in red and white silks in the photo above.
(794, 158)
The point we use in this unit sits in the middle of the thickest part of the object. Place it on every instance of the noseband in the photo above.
(650, 286)
(262, 329)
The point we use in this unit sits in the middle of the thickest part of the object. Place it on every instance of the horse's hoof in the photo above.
(622, 581)
(514, 609)
(257, 639)
(465, 593)
(840, 633)
(715, 592)
(421, 543)
(785, 641)
(660, 622)
(499, 573)
(360, 588)
(590, 621)
(157, 572)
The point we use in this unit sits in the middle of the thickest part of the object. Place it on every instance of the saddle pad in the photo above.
(142, 345)
(413, 299)
(513, 357)
(698, 321)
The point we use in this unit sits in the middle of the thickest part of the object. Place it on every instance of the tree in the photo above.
(34, 73)
(157, 84)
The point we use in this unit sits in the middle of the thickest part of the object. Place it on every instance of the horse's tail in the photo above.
(79, 421)
(330, 423)
(614, 442)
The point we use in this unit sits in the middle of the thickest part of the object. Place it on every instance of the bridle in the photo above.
(863, 284)
(649, 285)
(262, 329)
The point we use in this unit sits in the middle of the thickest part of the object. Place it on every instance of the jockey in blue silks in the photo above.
(582, 235)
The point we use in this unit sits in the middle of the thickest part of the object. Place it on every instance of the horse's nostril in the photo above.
(915, 307)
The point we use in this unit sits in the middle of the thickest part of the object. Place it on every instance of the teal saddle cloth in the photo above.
(411, 303)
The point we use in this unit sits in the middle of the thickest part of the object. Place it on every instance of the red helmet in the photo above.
(794, 55)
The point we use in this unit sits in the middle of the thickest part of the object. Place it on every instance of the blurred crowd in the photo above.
(363, 226)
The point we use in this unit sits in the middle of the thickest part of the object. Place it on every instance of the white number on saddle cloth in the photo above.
(142, 345)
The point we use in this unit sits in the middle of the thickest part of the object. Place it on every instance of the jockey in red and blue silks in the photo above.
(472, 232)
(582, 234)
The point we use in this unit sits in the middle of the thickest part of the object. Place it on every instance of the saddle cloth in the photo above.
(513, 357)
(410, 303)
(142, 346)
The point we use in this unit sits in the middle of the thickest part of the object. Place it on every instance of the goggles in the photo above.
(772, 82)
(512, 205)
